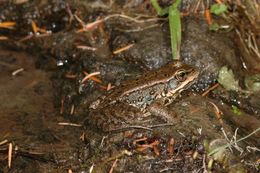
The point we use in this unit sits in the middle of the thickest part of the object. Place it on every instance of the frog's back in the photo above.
(146, 80)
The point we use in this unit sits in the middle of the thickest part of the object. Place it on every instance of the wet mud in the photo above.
(44, 104)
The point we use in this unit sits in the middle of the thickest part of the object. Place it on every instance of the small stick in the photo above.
(162, 125)
(69, 124)
(3, 142)
(131, 127)
(71, 76)
(208, 16)
(150, 128)
(94, 24)
(90, 75)
(82, 137)
(86, 48)
(72, 109)
(34, 27)
(112, 167)
(109, 86)
(218, 113)
(91, 168)
(10, 150)
(28, 37)
(7, 25)
(156, 150)
(231, 143)
(93, 78)
(139, 140)
(123, 49)
(210, 89)
(170, 147)
(197, 6)
(62, 106)
(14, 73)
(3, 38)
(219, 1)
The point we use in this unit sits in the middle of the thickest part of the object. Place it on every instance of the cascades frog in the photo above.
(129, 103)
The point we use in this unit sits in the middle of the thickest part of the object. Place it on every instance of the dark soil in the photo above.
(48, 90)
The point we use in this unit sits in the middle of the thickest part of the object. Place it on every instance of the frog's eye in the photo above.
(181, 75)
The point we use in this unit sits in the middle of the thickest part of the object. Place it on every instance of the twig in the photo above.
(91, 168)
(3, 142)
(170, 147)
(94, 24)
(109, 86)
(138, 29)
(235, 145)
(225, 135)
(210, 89)
(92, 77)
(14, 73)
(131, 18)
(204, 164)
(219, 1)
(150, 128)
(10, 150)
(227, 145)
(62, 105)
(166, 169)
(113, 166)
(70, 76)
(218, 113)
(119, 155)
(102, 141)
(123, 49)
(89, 76)
(161, 125)
(86, 48)
(69, 124)
(30, 155)
(130, 127)
(7, 25)
(197, 6)
(3, 38)
(249, 148)
(72, 109)
(208, 16)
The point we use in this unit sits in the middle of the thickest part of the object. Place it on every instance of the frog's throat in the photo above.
(189, 81)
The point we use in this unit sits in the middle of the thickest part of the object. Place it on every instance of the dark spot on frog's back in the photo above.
(140, 99)
(152, 92)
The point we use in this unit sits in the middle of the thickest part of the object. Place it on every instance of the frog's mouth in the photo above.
(184, 84)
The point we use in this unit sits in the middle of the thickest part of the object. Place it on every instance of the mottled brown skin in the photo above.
(126, 104)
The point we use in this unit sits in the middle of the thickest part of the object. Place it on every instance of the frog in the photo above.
(134, 100)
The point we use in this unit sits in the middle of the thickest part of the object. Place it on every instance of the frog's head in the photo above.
(181, 76)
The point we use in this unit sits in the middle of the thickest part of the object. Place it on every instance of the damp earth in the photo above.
(58, 58)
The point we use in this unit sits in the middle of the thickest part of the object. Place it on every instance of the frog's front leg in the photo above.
(160, 110)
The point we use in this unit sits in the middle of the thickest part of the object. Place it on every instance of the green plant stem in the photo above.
(174, 23)
(175, 31)
(158, 9)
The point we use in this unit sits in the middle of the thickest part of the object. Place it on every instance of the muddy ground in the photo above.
(43, 105)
